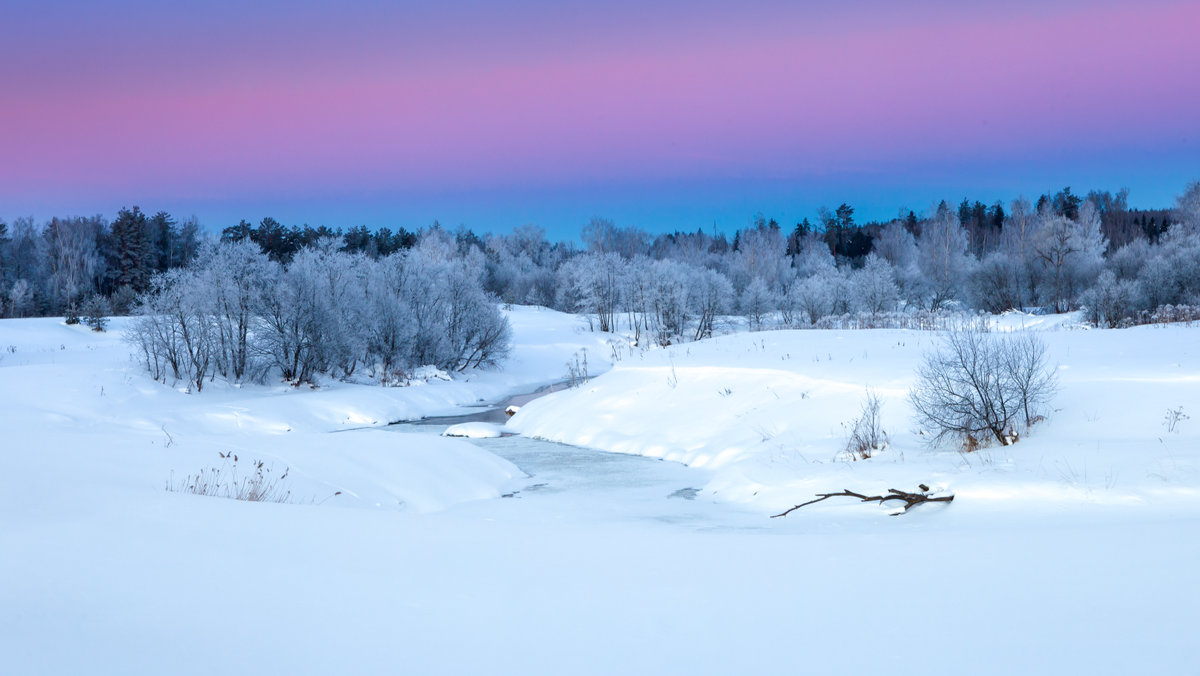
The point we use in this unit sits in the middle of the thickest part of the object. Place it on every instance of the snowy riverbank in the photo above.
(1067, 552)
(768, 413)
(80, 416)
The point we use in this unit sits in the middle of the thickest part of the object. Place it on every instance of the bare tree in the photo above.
(977, 386)
(1029, 374)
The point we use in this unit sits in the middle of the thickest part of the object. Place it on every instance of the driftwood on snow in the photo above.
(909, 499)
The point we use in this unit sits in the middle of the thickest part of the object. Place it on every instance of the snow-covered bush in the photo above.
(1110, 301)
(978, 387)
(995, 284)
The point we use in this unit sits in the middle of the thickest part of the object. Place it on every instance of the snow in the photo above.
(769, 414)
(1063, 553)
(474, 430)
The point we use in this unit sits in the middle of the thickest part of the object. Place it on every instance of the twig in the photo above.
(910, 499)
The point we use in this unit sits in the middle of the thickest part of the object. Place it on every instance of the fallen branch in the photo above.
(909, 499)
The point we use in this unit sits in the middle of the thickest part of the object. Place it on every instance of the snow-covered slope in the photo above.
(769, 414)
(80, 415)
(1066, 553)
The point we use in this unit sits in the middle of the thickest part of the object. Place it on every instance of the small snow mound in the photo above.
(511, 410)
(428, 373)
(474, 430)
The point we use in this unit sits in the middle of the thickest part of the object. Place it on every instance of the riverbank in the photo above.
(397, 552)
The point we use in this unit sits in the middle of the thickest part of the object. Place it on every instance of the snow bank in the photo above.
(474, 430)
(79, 413)
(769, 414)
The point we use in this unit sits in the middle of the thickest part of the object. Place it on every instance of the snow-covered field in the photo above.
(1070, 551)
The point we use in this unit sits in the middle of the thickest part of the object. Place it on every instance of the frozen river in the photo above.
(568, 483)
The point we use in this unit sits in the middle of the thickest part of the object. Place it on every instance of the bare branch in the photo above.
(910, 499)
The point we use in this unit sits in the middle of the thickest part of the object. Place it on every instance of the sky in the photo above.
(662, 115)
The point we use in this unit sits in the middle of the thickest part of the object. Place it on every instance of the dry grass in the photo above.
(866, 437)
(231, 480)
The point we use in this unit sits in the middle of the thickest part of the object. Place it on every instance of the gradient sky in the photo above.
(664, 115)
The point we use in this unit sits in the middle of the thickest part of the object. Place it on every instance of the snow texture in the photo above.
(1064, 553)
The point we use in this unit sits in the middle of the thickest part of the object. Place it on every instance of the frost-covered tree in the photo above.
(1070, 254)
(756, 302)
(20, 299)
(591, 284)
(1127, 261)
(897, 245)
(307, 324)
(710, 296)
(995, 284)
(813, 257)
(389, 334)
(74, 264)
(455, 324)
(636, 293)
(942, 258)
(235, 278)
(1017, 246)
(1187, 207)
(670, 300)
(818, 295)
(477, 334)
(761, 254)
(174, 330)
(1171, 276)
(602, 236)
(874, 286)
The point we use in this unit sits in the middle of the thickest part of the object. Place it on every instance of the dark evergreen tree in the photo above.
(796, 238)
(358, 240)
(996, 217)
(237, 233)
(277, 241)
(129, 265)
(160, 240)
(1065, 204)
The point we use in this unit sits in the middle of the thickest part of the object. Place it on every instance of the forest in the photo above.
(304, 301)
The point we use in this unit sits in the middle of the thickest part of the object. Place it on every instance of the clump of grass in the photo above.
(230, 480)
(866, 436)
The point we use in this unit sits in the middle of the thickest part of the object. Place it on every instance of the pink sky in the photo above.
(393, 115)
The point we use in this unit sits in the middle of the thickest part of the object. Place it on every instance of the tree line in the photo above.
(1058, 253)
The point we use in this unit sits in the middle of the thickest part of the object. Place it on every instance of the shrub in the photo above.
(1110, 301)
(978, 386)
